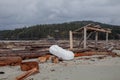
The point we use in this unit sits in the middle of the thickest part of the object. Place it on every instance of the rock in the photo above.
(1, 72)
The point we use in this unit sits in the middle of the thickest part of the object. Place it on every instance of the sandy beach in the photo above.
(81, 68)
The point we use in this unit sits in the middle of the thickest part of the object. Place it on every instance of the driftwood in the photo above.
(80, 50)
(23, 54)
(25, 66)
(90, 53)
(35, 49)
(44, 58)
(55, 59)
(82, 54)
(40, 46)
(27, 74)
(10, 61)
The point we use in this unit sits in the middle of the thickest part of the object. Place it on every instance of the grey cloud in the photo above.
(16, 13)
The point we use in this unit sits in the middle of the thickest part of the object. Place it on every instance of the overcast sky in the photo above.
(20, 13)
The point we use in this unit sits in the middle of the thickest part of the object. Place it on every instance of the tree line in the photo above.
(57, 31)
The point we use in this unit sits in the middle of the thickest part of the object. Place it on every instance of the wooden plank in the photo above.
(79, 29)
(85, 34)
(71, 39)
(97, 29)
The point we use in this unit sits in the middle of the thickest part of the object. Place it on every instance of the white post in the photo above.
(85, 34)
(96, 39)
(71, 39)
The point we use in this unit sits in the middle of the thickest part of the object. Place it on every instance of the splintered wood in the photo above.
(27, 74)
(10, 61)
(25, 66)
(44, 58)
(55, 59)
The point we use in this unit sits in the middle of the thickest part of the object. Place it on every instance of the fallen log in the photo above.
(90, 53)
(40, 46)
(82, 54)
(25, 66)
(24, 54)
(10, 61)
(27, 74)
(80, 50)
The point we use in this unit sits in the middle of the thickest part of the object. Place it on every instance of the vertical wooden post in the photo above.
(106, 39)
(85, 35)
(71, 39)
(96, 39)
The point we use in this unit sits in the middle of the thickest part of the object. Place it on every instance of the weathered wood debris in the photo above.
(35, 49)
(25, 66)
(10, 61)
(27, 74)
(13, 53)
(27, 49)
(44, 58)
(55, 59)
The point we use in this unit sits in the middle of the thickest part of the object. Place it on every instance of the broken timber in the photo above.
(25, 66)
(10, 61)
(44, 58)
(27, 74)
